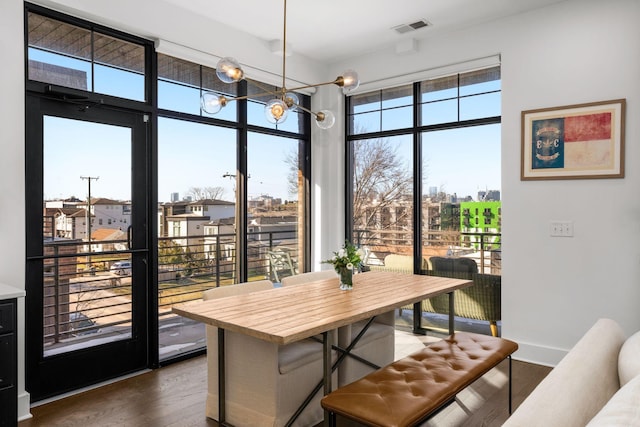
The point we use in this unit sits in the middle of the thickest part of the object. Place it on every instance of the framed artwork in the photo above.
(583, 141)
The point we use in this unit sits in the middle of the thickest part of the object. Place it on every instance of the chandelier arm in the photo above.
(333, 82)
(240, 98)
(267, 91)
(306, 110)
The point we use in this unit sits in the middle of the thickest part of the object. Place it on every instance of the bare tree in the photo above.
(382, 182)
(203, 193)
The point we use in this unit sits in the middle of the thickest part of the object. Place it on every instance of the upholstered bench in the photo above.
(410, 390)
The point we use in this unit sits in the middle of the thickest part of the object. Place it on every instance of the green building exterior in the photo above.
(481, 217)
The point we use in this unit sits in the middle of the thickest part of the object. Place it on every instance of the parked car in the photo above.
(121, 268)
(80, 324)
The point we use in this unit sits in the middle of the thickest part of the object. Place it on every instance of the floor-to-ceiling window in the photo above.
(425, 171)
(232, 194)
(138, 199)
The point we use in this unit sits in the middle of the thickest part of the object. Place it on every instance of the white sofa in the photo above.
(596, 384)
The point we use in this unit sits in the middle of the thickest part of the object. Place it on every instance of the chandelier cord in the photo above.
(284, 50)
(276, 110)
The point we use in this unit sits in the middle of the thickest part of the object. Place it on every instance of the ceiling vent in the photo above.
(405, 28)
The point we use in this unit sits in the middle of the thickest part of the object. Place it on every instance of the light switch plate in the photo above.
(561, 229)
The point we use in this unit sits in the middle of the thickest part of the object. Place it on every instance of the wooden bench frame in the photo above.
(408, 391)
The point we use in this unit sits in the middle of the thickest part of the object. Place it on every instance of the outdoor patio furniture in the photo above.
(280, 265)
(481, 301)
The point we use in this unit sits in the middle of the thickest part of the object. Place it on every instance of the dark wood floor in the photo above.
(175, 395)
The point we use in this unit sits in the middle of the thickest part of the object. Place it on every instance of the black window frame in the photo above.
(150, 107)
(416, 132)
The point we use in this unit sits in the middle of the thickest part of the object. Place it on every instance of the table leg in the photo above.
(221, 379)
(326, 369)
(417, 319)
(451, 314)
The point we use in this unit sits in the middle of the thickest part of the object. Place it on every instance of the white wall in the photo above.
(12, 186)
(574, 52)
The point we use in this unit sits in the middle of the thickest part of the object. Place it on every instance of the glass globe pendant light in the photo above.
(212, 103)
(277, 109)
(228, 70)
(325, 119)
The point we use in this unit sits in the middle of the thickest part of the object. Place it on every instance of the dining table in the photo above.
(287, 314)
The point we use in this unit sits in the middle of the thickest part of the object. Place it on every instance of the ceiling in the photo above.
(332, 30)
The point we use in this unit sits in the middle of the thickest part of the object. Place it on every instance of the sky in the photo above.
(189, 155)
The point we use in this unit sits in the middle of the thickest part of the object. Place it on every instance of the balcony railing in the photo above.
(87, 294)
(485, 248)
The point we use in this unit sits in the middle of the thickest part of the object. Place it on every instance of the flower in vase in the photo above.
(348, 257)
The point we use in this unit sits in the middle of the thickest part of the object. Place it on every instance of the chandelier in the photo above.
(284, 99)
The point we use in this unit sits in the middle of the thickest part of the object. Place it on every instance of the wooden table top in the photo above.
(287, 314)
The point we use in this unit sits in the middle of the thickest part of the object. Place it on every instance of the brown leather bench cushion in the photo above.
(406, 391)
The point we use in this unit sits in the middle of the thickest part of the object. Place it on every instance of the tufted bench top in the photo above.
(408, 390)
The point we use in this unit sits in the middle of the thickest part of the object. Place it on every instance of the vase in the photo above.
(346, 279)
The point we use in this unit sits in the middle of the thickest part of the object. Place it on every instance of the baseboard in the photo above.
(545, 356)
(24, 409)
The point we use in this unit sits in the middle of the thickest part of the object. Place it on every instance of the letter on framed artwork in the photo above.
(574, 142)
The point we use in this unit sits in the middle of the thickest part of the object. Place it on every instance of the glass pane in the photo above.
(364, 123)
(276, 207)
(439, 89)
(64, 55)
(461, 194)
(87, 289)
(480, 81)
(196, 239)
(178, 70)
(479, 106)
(120, 67)
(383, 201)
(59, 70)
(397, 97)
(59, 53)
(397, 118)
(181, 83)
(440, 112)
(121, 83)
(178, 97)
(118, 53)
(365, 102)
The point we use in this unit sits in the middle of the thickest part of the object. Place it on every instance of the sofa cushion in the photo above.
(629, 359)
(622, 410)
(579, 386)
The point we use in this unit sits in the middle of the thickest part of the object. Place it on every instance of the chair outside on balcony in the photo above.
(265, 382)
(481, 301)
(280, 265)
(377, 345)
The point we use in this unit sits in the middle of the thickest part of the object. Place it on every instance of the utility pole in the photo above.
(88, 215)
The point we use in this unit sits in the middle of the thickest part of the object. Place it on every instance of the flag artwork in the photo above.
(583, 141)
